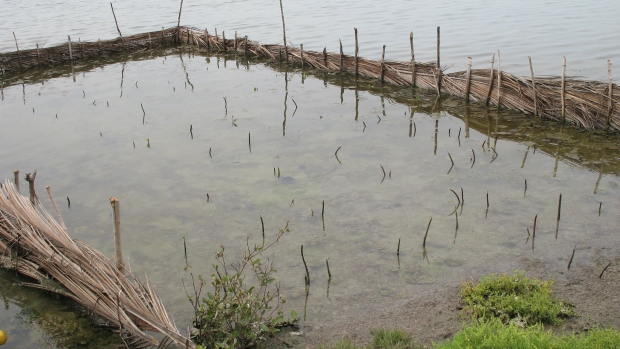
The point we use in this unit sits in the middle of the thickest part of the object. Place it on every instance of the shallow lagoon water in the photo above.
(208, 187)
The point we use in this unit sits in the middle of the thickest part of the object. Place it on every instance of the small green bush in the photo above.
(494, 334)
(236, 313)
(517, 299)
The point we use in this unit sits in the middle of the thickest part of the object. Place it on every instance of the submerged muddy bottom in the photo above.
(201, 147)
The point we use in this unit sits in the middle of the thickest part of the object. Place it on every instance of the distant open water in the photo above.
(586, 32)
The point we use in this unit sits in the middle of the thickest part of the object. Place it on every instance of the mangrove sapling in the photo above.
(534, 232)
(557, 226)
(237, 314)
(599, 208)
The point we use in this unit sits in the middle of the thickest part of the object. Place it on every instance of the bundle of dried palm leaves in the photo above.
(36, 245)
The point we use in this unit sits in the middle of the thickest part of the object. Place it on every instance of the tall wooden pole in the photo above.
(563, 92)
(534, 87)
(284, 31)
(439, 72)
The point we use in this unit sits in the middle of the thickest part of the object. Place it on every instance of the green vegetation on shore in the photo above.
(506, 311)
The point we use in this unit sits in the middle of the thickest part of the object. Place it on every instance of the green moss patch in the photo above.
(514, 299)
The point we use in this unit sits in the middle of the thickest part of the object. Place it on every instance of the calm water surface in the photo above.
(86, 134)
(586, 32)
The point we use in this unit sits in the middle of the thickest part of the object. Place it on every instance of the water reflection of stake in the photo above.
(336, 155)
(525, 156)
(452, 161)
(384, 174)
(191, 133)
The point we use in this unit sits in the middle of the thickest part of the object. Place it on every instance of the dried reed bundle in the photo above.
(34, 244)
(590, 104)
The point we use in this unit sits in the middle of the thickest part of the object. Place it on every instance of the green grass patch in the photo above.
(514, 298)
(494, 333)
(382, 339)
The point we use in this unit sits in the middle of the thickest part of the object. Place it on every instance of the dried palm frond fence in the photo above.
(38, 246)
(590, 104)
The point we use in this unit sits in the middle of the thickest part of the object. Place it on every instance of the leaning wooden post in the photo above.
(163, 36)
(534, 88)
(439, 72)
(38, 57)
(284, 31)
(116, 209)
(19, 58)
(245, 46)
(119, 30)
(491, 80)
(179, 23)
(99, 44)
(468, 79)
(49, 193)
(70, 51)
(341, 57)
(499, 80)
(16, 179)
(235, 45)
(383, 65)
(412, 60)
(357, 50)
(301, 46)
(563, 92)
(207, 39)
(224, 40)
(611, 94)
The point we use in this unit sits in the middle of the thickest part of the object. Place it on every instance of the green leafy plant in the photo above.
(238, 313)
(514, 299)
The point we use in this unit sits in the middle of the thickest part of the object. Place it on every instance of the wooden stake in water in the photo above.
(426, 234)
(250, 141)
(534, 88)
(284, 31)
(563, 91)
(119, 30)
(491, 80)
(329, 273)
(262, 224)
(383, 65)
(116, 210)
(70, 50)
(607, 266)
(468, 79)
(439, 72)
(571, 257)
(38, 57)
(398, 248)
(599, 208)
(305, 265)
(341, 57)
(412, 60)
(534, 231)
(301, 47)
(179, 23)
(325, 57)
(611, 94)
(19, 58)
(357, 50)
(499, 81)
(557, 226)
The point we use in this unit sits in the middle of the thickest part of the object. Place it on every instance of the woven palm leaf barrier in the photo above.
(36, 245)
(585, 103)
